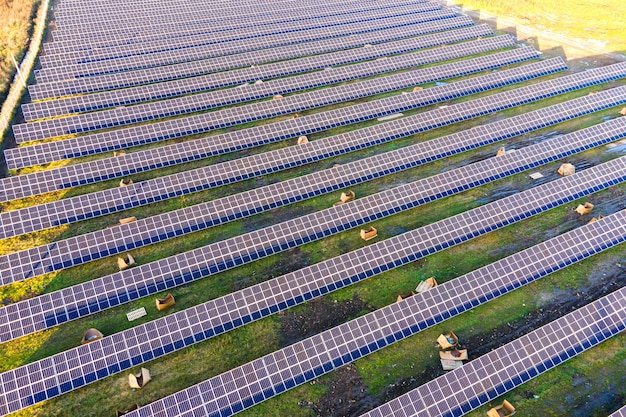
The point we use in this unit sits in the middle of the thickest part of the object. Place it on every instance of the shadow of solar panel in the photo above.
(619, 413)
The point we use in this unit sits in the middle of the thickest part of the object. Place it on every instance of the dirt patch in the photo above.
(319, 314)
(346, 395)
(292, 260)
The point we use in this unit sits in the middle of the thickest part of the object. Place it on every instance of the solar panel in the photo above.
(110, 355)
(85, 248)
(65, 41)
(177, 128)
(209, 177)
(81, 20)
(48, 310)
(619, 413)
(517, 362)
(204, 52)
(196, 36)
(197, 15)
(120, 117)
(46, 109)
(293, 66)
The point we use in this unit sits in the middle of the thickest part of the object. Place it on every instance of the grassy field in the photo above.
(16, 24)
(403, 361)
(599, 22)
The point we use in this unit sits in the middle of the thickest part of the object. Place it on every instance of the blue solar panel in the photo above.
(276, 69)
(264, 36)
(227, 48)
(177, 128)
(85, 103)
(99, 294)
(85, 248)
(201, 322)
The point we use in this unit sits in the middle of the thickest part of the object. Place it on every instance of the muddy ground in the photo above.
(347, 394)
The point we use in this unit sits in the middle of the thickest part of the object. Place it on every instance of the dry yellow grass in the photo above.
(16, 23)
(596, 22)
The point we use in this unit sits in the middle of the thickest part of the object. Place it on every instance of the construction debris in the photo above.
(165, 303)
(139, 380)
(584, 209)
(91, 335)
(126, 262)
(368, 234)
(125, 181)
(567, 169)
(347, 197)
(426, 285)
(595, 219)
(503, 410)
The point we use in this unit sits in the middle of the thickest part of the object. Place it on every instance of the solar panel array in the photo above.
(171, 89)
(110, 54)
(499, 371)
(240, 139)
(81, 300)
(67, 41)
(46, 181)
(77, 22)
(75, 251)
(381, 47)
(74, 368)
(268, 109)
(71, 252)
(297, 32)
(111, 200)
(331, 35)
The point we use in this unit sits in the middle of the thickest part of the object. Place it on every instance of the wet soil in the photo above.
(347, 394)
(292, 260)
(612, 278)
(318, 315)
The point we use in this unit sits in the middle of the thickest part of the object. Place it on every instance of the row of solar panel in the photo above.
(292, 66)
(197, 53)
(75, 39)
(49, 310)
(69, 370)
(192, 125)
(517, 362)
(108, 201)
(120, 117)
(190, 12)
(46, 181)
(104, 100)
(210, 34)
(85, 248)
